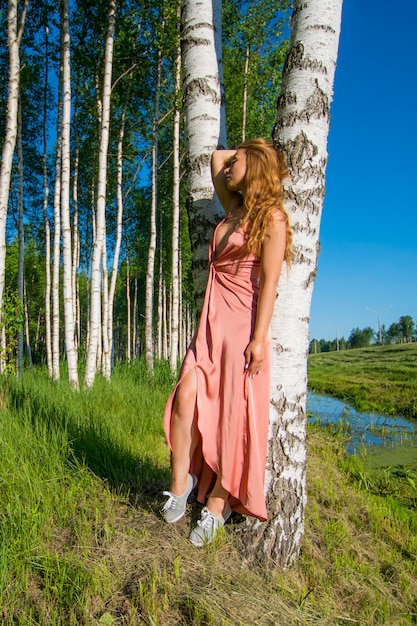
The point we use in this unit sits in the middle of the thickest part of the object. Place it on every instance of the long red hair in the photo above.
(265, 170)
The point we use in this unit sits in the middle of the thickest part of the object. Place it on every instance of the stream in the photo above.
(383, 439)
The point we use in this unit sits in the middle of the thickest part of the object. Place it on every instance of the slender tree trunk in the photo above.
(302, 127)
(71, 351)
(27, 333)
(245, 93)
(160, 308)
(150, 271)
(76, 245)
(21, 238)
(135, 334)
(182, 335)
(14, 34)
(95, 326)
(57, 241)
(105, 356)
(48, 331)
(119, 223)
(128, 322)
(204, 124)
(166, 323)
(175, 303)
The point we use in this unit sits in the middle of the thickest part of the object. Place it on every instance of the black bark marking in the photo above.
(195, 89)
(318, 105)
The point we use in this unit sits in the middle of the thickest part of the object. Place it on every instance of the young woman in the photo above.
(216, 419)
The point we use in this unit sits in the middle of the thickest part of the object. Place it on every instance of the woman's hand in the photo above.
(254, 357)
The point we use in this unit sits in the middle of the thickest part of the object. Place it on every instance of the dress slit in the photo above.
(231, 412)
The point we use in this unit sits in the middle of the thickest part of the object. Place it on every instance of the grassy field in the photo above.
(82, 542)
(379, 378)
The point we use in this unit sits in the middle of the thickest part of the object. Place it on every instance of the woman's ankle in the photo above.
(179, 485)
(216, 505)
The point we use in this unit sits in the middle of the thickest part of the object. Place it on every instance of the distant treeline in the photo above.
(403, 331)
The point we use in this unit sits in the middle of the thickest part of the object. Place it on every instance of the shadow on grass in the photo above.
(52, 409)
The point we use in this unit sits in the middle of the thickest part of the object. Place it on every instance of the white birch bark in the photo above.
(182, 329)
(116, 255)
(75, 246)
(21, 239)
(14, 35)
(166, 313)
(175, 302)
(27, 333)
(245, 93)
(135, 329)
(95, 325)
(105, 354)
(47, 228)
(160, 310)
(71, 351)
(128, 320)
(57, 240)
(150, 270)
(302, 127)
(204, 124)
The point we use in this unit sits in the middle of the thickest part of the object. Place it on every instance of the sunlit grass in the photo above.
(379, 378)
(82, 542)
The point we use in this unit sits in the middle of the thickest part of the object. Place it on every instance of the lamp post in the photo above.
(379, 319)
(337, 337)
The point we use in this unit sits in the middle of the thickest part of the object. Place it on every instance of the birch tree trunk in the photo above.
(161, 282)
(48, 335)
(95, 325)
(150, 270)
(128, 322)
(21, 239)
(245, 93)
(204, 124)
(116, 255)
(135, 330)
(302, 127)
(175, 302)
(76, 246)
(71, 351)
(57, 239)
(14, 34)
(105, 354)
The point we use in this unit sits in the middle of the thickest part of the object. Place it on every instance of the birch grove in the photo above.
(103, 302)
(14, 31)
(97, 138)
(95, 326)
(302, 126)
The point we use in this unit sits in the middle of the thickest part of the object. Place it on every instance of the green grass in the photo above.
(82, 542)
(379, 378)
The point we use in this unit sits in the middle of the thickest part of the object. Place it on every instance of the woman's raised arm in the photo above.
(219, 160)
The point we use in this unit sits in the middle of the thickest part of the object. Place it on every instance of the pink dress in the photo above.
(232, 410)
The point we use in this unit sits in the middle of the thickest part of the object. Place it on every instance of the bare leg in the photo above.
(217, 498)
(182, 440)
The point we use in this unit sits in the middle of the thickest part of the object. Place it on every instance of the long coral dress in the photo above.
(232, 409)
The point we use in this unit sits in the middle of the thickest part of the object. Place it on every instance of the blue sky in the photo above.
(369, 223)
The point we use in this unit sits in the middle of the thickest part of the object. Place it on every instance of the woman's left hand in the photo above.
(254, 357)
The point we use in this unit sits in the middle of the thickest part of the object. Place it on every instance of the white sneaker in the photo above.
(208, 526)
(175, 507)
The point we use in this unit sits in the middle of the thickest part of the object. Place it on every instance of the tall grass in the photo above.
(378, 378)
(82, 542)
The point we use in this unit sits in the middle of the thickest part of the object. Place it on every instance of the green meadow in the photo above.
(82, 541)
(379, 378)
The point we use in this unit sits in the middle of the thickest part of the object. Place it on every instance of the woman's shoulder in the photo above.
(278, 216)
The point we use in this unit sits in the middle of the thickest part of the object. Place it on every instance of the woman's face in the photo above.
(236, 170)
